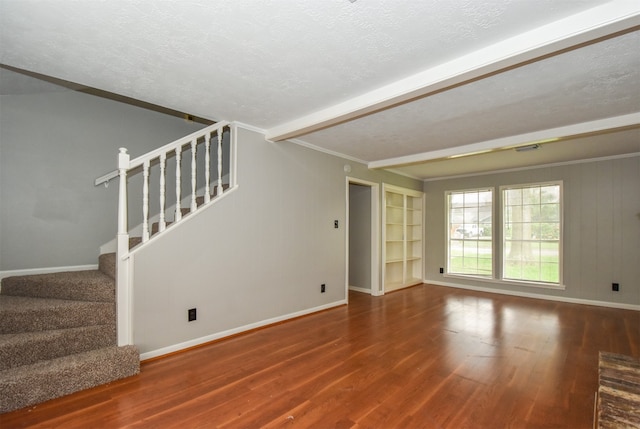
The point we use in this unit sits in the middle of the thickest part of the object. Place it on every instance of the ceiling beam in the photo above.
(543, 136)
(585, 27)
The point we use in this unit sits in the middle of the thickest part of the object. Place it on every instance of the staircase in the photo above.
(217, 145)
(58, 335)
(65, 332)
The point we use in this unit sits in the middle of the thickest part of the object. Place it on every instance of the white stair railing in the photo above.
(157, 160)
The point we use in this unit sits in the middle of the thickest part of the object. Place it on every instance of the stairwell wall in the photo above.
(257, 256)
(53, 144)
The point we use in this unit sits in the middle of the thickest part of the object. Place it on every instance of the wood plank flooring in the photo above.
(423, 357)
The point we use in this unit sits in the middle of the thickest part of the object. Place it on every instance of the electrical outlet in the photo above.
(335, 224)
(192, 314)
(441, 270)
(323, 288)
(615, 287)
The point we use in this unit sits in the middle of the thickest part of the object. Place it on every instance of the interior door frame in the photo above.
(376, 286)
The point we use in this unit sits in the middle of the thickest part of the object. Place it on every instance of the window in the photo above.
(531, 232)
(470, 243)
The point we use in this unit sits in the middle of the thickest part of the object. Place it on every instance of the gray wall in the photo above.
(360, 236)
(260, 253)
(53, 145)
(601, 228)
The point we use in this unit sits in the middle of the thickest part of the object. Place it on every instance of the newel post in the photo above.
(123, 287)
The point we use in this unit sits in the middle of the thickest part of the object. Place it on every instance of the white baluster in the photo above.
(233, 155)
(178, 183)
(194, 205)
(145, 202)
(162, 223)
(207, 166)
(122, 264)
(220, 190)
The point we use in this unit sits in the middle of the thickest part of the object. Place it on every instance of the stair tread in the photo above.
(91, 276)
(47, 366)
(89, 285)
(25, 348)
(30, 384)
(20, 337)
(21, 303)
(25, 314)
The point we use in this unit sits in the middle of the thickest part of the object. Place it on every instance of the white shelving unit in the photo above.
(402, 237)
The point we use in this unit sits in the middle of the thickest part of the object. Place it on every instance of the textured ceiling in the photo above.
(597, 81)
(268, 63)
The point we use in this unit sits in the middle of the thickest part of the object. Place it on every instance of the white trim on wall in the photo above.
(136, 231)
(622, 306)
(48, 270)
(535, 167)
(502, 143)
(376, 286)
(360, 289)
(569, 32)
(186, 218)
(327, 151)
(219, 335)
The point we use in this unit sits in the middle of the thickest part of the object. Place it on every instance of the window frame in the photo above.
(448, 234)
(498, 237)
(503, 235)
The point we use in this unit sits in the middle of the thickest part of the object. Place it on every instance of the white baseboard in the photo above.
(49, 270)
(622, 306)
(360, 289)
(238, 330)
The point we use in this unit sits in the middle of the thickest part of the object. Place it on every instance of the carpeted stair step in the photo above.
(26, 314)
(91, 285)
(107, 264)
(155, 227)
(31, 384)
(27, 348)
(134, 241)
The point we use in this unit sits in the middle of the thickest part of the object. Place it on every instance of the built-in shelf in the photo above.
(403, 237)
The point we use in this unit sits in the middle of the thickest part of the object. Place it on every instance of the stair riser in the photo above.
(29, 385)
(107, 264)
(28, 348)
(72, 315)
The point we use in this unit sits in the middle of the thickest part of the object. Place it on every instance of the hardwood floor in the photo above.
(424, 357)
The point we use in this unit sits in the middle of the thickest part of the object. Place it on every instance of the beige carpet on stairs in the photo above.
(58, 335)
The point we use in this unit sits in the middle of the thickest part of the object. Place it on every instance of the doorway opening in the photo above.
(363, 237)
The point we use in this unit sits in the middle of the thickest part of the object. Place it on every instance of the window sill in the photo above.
(508, 282)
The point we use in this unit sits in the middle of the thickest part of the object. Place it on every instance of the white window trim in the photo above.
(542, 285)
(448, 235)
(498, 281)
(498, 248)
